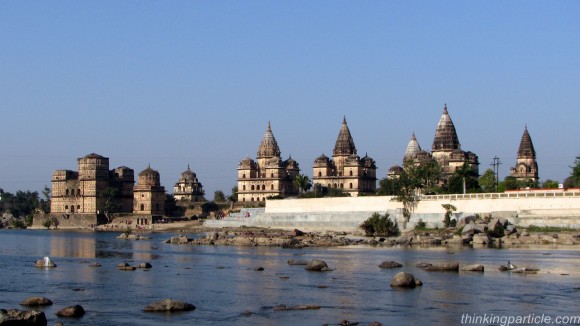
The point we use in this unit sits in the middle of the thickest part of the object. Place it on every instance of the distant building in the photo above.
(526, 168)
(346, 170)
(148, 194)
(188, 187)
(93, 189)
(446, 151)
(268, 177)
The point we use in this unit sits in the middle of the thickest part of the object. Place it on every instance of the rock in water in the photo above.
(71, 311)
(390, 264)
(169, 305)
(473, 268)
(316, 265)
(45, 262)
(447, 266)
(36, 301)
(405, 280)
(22, 317)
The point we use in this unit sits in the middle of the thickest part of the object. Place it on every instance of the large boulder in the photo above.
(22, 317)
(390, 264)
(169, 305)
(405, 280)
(317, 265)
(481, 238)
(468, 229)
(445, 266)
(36, 301)
(71, 311)
(45, 262)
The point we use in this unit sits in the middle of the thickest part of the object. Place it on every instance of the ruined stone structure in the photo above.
(93, 189)
(148, 194)
(526, 168)
(188, 188)
(268, 177)
(446, 151)
(346, 170)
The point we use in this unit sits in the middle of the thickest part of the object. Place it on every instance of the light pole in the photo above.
(495, 165)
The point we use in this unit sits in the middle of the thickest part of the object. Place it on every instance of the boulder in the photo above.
(423, 265)
(473, 268)
(468, 229)
(480, 228)
(45, 262)
(445, 266)
(145, 265)
(36, 301)
(390, 264)
(22, 317)
(511, 229)
(317, 265)
(296, 233)
(71, 311)
(481, 238)
(405, 280)
(169, 305)
(297, 262)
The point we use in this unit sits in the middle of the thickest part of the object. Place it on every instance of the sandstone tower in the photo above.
(346, 170)
(268, 177)
(149, 195)
(526, 168)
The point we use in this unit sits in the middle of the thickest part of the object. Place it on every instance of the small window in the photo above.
(319, 173)
(351, 185)
(244, 176)
(244, 187)
(252, 188)
(263, 187)
(351, 173)
(142, 207)
(271, 187)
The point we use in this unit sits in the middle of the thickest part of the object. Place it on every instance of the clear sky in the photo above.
(172, 83)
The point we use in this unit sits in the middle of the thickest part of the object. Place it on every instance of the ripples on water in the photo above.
(222, 283)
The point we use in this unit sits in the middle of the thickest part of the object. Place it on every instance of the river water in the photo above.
(227, 290)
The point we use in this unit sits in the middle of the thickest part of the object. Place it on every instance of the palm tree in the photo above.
(303, 183)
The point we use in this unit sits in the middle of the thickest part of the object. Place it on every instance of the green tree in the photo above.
(509, 183)
(170, 205)
(219, 196)
(112, 205)
(409, 183)
(389, 187)
(487, 181)
(463, 176)
(303, 183)
(45, 202)
(234, 196)
(430, 173)
(380, 225)
(573, 181)
(550, 184)
(447, 221)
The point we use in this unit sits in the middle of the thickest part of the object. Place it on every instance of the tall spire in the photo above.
(268, 146)
(412, 149)
(344, 143)
(445, 135)
(526, 149)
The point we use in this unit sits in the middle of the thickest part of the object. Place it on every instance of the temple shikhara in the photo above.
(269, 176)
(346, 170)
(526, 168)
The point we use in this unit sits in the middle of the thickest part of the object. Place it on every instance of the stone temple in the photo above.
(269, 176)
(526, 168)
(346, 170)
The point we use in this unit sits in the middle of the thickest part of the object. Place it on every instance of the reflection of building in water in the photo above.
(77, 247)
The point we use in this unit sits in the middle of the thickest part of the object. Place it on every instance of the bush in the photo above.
(380, 225)
(420, 226)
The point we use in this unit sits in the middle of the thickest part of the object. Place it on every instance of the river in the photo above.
(227, 290)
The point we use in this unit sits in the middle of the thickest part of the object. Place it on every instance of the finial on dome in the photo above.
(413, 136)
(445, 107)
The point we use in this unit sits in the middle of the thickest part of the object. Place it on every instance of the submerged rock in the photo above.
(71, 311)
(390, 264)
(446, 266)
(317, 265)
(405, 280)
(283, 307)
(36, 301)
(169, 305)
(473, 268)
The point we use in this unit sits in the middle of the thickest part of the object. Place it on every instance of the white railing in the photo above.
(518, 194)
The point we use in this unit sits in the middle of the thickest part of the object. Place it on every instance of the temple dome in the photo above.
(149, 177)
(445, 136)
(268, 146)
(344, 143)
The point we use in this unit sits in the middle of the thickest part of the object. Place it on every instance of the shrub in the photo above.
(420, 226)
(380, 225)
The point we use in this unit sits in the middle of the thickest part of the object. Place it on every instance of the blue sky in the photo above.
(196, 82)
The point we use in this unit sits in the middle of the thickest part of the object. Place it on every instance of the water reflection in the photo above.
(78, 247)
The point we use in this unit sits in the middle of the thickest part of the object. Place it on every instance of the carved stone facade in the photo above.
(85, 191)
(188, 188)
(268, 177)
(148, 194)
(346, 170)
(526, 168)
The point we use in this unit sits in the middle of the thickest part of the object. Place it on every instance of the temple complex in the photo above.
(188, 188)
(269, 176)
(526, 168)
(346, 170)
(93, 189)
(446, 151)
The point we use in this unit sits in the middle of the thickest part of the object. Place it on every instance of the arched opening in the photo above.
(252, 187)
(72, 209)
(351, 185)
(271, 187)
(66, 192)
(252, 199)
(244, 187)
(271, 175)
(78, 207)
(341, 186)
(142, 207)
(244, 176)
(319, 173)
(263, 187)
(66, 207)
(351, 173)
